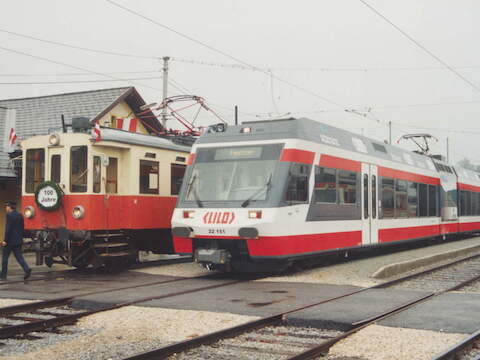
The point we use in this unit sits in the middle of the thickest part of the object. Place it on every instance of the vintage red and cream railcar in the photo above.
(89, 202)
(265, 194)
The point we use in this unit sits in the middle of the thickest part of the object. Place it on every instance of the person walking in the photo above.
(13, 239)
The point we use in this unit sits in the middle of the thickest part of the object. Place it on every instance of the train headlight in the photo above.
(29, 212)
(78, 212)
(54, 140)
(254, 214)
(188, 214)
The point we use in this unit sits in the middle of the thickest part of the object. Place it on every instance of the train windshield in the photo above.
(233, 173)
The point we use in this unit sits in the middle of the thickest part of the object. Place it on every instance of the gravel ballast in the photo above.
(120, 333)
(387, 343)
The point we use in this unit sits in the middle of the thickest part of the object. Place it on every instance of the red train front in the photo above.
(88, 202)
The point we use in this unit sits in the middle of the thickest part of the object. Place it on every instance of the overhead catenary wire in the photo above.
(422, 47)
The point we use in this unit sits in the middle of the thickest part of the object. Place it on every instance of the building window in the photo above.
(97, 174)
(55, 168)
(177, 172)
(35, 169)
(325, 185)
(78, 169)
(148, 177)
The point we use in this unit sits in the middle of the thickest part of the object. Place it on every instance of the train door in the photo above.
(369, 184)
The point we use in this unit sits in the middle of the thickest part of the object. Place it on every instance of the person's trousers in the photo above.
(17, 252)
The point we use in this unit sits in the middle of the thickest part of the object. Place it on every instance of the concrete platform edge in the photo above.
(404, 266)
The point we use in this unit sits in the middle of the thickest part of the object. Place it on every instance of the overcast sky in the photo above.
(333, 49)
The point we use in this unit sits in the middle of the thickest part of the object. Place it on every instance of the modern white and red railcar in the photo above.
(262, 195)
(88, 202)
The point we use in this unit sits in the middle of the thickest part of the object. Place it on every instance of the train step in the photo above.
(107, 235)
(110, 245)
(116, 254)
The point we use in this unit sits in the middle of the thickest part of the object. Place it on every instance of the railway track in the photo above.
(467, 349)
(47, 315)
(272, 338)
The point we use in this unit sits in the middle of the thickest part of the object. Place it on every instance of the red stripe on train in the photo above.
(405, 175)
(404, 233)
(468, 226)
(468, 187)
(299, 156)
(340, 163)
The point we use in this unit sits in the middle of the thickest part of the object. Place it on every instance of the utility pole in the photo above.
(448, 151)
(165, 90)
(236, 115)
(390, 132)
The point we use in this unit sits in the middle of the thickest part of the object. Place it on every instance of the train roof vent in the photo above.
(379, 147)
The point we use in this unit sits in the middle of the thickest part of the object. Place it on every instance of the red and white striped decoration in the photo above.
(96, 133)
(127, 124)
(12, 137)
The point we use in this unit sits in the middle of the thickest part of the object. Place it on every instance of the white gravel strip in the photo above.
(183, 270)
(127, 331)
(11, 302)
(388, 343)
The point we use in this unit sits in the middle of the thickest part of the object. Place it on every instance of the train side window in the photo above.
(112, 176)
(412, 193)
(55, 168)
(97, 174)
(432, 200)
(474, 203)
(148, 177)
(35, 169)
(78, 169)
(325, 185)
(347, 187)
(422, 200)
(401, 198)
(468, 203)
(462, 203)
(297, 188)
(388, 202)
(374, 196)
(365, 196)
(177, 172)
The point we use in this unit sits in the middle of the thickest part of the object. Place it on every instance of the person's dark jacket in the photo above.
(14, 229)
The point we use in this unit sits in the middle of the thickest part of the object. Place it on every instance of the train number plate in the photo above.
(216, 231)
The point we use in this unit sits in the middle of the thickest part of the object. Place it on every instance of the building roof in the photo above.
(40, 115)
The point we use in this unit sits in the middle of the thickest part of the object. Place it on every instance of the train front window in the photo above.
(78, 169)
(233, 173)
(35, 169)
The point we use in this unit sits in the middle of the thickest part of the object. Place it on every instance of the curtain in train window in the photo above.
(388, 202)
(97, 174)
(35, 169)
(148, 177)
(325, 185)
(78, 169)
(401, 198)
(347, 187)
(112, 176)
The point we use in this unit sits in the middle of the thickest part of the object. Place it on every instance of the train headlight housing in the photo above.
(255, 214)
(29, 212)
(188, 214)
(78, 212)
(54, 139)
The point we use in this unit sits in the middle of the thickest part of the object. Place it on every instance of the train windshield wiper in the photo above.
(265, 187)
(195, 194)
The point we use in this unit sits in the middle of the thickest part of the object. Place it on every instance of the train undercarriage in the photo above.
(96, 249)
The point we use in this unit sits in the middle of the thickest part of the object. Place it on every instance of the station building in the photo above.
(116, 108)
